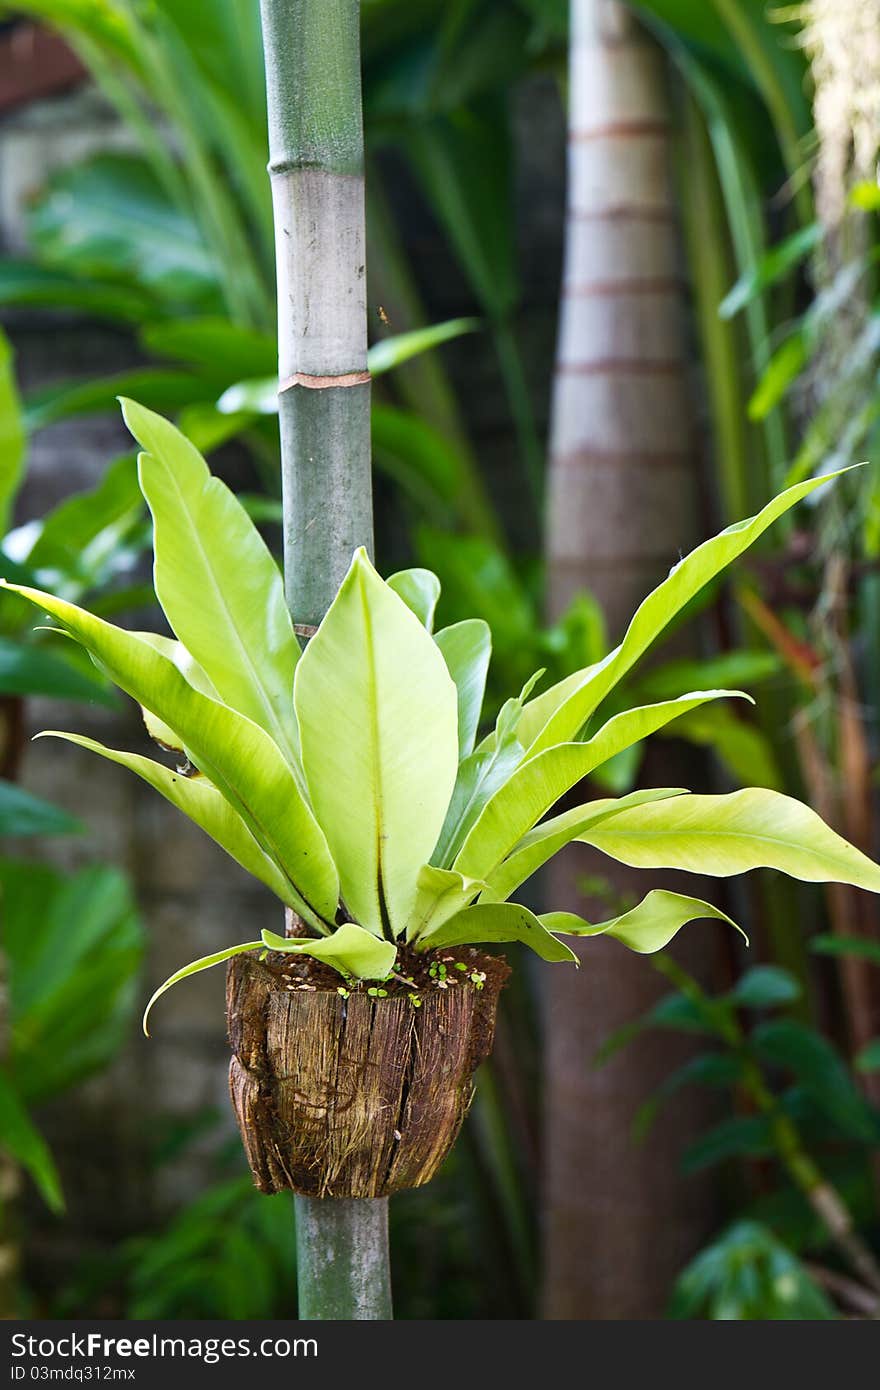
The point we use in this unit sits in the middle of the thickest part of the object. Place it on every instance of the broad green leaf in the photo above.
(646, 928)
(192, 673)
(764, 987)
(378, 722)
(467, 649)
(655, 613)
(194, 968)
(542, 779)
(538, 712)
(441, 893)
(420, 590)
(199, 799)
(12, 434)
(479, 776)
(540, 844)
(725, 835)
(350, 950)
(22, 813)
(494, 922)
(27, 1146)
(239, 757)
(216, 580)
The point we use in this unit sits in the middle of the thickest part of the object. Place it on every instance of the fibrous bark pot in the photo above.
(348, 1094)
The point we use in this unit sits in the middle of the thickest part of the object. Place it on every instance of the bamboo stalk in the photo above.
(316, 165)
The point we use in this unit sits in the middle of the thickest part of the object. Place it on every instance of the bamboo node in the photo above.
(323, 383)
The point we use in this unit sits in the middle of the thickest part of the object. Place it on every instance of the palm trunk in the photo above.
(316, 165)
(619, 1220)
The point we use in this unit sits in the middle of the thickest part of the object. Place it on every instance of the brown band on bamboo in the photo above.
(304, 629)
(646, 284)
(323, 383)
(622, 366)
(620, 129)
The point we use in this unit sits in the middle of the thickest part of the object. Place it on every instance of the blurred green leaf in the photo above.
(783, 369)
(821, 1072)
(748, 1274)
(13, 443)
(714, 1069)
(869, 1057)
(772, 267)
(74, 946)
(26, 669)
(765, 987)
(857, 946)
(27, 1146)
(109, 218)
(159, 388)
(388, 353)
(222, 347)
(22, 813)
(740, 1136)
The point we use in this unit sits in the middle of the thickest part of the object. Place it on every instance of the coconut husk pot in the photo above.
(346, 1093)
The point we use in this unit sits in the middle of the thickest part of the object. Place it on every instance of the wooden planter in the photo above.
(354, 1096)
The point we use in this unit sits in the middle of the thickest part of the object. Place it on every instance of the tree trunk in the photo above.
(620, 1220)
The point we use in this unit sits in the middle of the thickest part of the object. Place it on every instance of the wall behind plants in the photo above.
(154, 1130)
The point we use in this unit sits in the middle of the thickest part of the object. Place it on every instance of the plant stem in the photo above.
(820, 1194)
(316, 163)
(342, 1258)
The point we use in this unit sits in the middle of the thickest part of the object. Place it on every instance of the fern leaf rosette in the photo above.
(348, 778)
